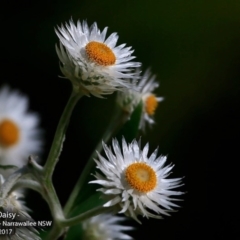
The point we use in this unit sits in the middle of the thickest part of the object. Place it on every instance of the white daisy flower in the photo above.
(105, 227)
(134, 182)
(130, 98)
(19, 135)
(93, 63)
(11, 203)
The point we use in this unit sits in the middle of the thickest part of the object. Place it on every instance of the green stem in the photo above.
(47, 189)
(119, 118)
(54, 204)
(59, 229)
(59, 136)
(84, 216)
(31, 184)
(55, 233)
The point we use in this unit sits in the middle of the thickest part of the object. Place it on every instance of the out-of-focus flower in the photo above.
(94, 64)
(147, 84)
(105, 227)
(11, 203)
(19, 135)
(130, 98)
(134, 182)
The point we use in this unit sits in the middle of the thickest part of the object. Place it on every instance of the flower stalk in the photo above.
(59, 136)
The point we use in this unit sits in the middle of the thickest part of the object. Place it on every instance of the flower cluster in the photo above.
(132, 182)
(96, 66)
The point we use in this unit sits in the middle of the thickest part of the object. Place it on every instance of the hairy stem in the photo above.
(84, 216)
(59, 136)
(27, 183)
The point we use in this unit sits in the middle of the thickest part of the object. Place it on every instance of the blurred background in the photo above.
(193, 47)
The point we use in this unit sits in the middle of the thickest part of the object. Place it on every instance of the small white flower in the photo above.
(19, 135)
(130, 98)
(93, 63)
(11, 203)
(105, 227)
(134, 182)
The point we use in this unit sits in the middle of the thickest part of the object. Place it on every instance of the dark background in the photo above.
(194, 48)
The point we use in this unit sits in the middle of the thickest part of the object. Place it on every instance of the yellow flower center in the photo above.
(151, 104)
(9, 133)
(100, 53)
(141, 177)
